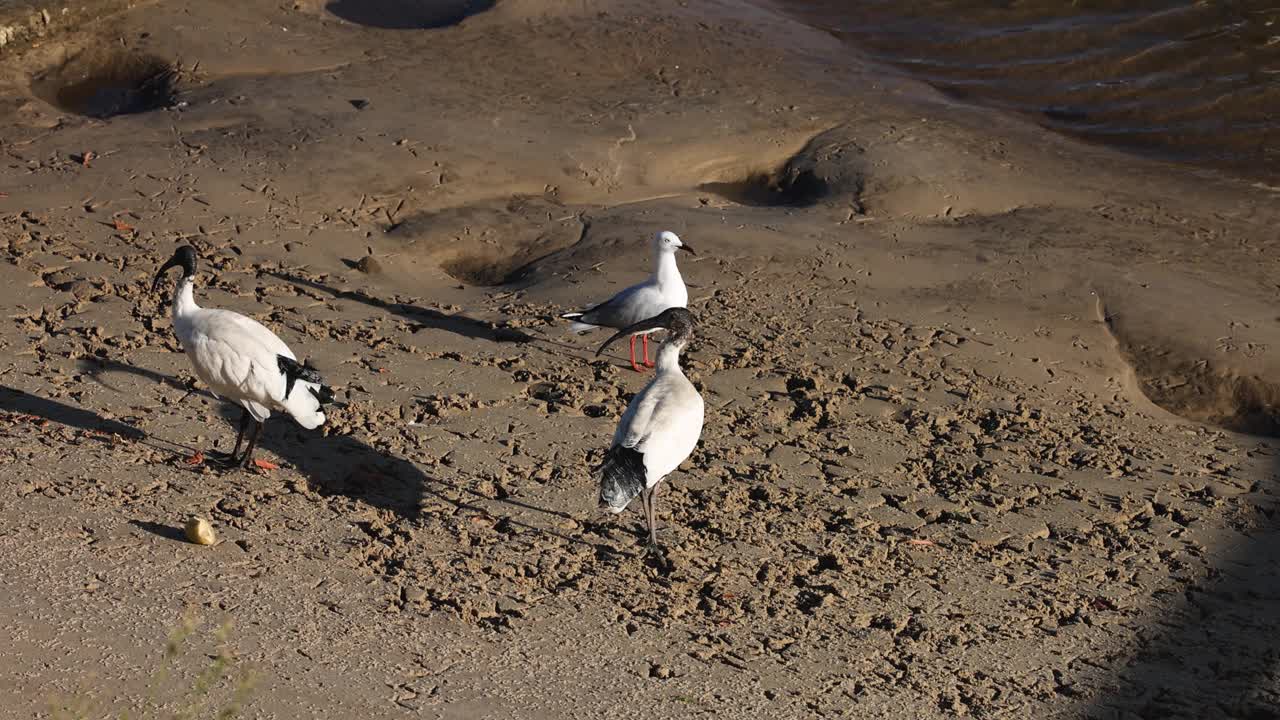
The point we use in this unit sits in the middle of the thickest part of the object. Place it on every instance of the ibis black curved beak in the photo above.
(686, 247)
(173, 262)
(185, 258)
(657, 322)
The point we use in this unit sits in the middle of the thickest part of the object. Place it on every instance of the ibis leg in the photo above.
(650, 497)
(644, 505)
(634, 366)
(244, 425)
(247, 460)
(645, 343)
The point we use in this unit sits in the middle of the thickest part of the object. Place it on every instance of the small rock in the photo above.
(778, 644)
(413, 595)
(369, 265)
(661, 672)
(200, 532)
(510, 606)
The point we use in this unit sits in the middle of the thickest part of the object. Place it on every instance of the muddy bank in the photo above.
(930, 485)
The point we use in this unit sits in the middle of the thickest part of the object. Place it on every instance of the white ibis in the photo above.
(664, 289)
(242, 361)
(660, 427)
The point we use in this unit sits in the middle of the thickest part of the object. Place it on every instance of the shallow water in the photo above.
(1192, 82)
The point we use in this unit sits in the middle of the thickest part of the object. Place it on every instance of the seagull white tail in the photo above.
(577, 327)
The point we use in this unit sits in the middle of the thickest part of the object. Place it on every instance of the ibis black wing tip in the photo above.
(293, 371)
(289, 368)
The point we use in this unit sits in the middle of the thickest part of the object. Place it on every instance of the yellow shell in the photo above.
(200, 532)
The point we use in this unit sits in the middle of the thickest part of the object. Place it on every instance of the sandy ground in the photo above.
(971, 389)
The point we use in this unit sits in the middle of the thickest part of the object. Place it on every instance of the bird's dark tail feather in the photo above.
(622, 476)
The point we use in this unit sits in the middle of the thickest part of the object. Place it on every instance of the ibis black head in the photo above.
(323, 395)
(677, 321)
(185, 258)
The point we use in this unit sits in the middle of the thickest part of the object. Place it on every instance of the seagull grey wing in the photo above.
(636, 303)
(607, 313)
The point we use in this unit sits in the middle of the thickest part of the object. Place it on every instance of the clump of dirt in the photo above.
(1198, 390)
(787, 188)
(822, 170)
(105, 84)
(488, 243)
(407, 14)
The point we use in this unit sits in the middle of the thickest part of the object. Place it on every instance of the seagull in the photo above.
(660, 427)
(664, 289)
(242, 361)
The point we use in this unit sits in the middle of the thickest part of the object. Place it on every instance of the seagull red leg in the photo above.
(634, 366)
(647, 361)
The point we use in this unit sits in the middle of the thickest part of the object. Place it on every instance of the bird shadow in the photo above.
(1213, 652)
(346, 466)
(425, 317)
(168, 532)
(457, 324)
(24, 403)
(334, 465)
(98, 369)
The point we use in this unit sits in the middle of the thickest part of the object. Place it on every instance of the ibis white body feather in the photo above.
(662, 425)
(238, 358)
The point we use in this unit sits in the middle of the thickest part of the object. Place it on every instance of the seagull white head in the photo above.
(667, 241)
